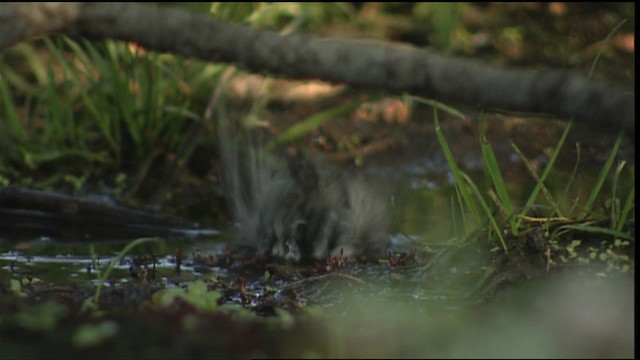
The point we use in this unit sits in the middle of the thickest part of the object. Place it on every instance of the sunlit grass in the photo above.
(105, 103)
(116, 106)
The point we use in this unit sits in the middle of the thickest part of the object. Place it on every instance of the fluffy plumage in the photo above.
(301, 209)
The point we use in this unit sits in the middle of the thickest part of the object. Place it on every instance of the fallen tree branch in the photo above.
(371, 66)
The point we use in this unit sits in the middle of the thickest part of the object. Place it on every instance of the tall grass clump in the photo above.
(108, 104)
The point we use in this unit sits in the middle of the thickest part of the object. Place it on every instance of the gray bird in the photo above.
(300, 209)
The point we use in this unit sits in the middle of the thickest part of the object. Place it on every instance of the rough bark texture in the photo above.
(371, 66)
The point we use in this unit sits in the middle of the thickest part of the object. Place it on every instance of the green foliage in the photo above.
(446, 20)
(196, 294)
(92, 107)
(595, 191)
(465, 186)
(290, 16)
(540, 180)
(613, 254)
(309, 124)
(8, 111)
(496, 180)
(98, 102)
(464, 192)
(503, 209)
(41, 317)
(16, 288)
(103, 276)
(88, 335)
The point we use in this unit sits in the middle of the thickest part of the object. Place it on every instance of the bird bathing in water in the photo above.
(300, 209)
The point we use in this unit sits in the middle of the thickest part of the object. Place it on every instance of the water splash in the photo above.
(300, 208)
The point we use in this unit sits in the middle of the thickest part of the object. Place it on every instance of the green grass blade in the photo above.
(457, 232)
(574, 172)
(21, 82)
(438, 105)
(487, 210)
(80, 55)
(532, 172)
(615, 204)
(604, 42)
(593, 230)
(601, 179)
(10, 113)
(491, 166)
(101, 117)
(124, 98)
(457, 174)
(626, 209)
(49, 155)
(545, 173)
(105, 275)
(55, 129)
(309, 124)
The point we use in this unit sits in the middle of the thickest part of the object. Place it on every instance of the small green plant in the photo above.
(41, 317)
(91, 108)
(196, 294)
(558, 228)
(466, 187)
(103, 276)
(16, 287)
(88, 335)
